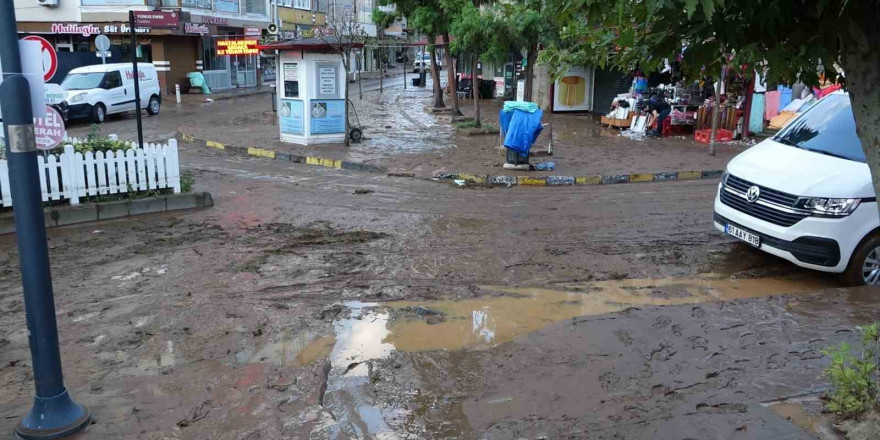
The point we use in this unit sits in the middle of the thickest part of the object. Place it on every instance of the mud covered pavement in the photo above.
(317, 303)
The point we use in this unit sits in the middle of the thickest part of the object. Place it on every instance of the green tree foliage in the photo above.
(791, 36)
(479, 33)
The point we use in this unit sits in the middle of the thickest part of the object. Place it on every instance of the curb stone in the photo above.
(91, 212)
(612, 179)
(287, 157)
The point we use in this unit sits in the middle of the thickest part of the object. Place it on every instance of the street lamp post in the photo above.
(53, 414)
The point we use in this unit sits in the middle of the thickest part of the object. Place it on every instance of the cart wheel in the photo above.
(356, 134)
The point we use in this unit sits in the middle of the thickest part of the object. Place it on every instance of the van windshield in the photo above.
(827, 128)
(82, 81)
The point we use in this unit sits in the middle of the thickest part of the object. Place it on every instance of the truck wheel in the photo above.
(864, 265)
(99, 113)
(153, 106)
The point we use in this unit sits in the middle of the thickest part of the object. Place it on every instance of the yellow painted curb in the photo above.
(259, 152)
(217, 145)
(641, 177)
(311, 160)
(530, 181)
(472, 178)
(588, 180)
(187, 137)
(690, 175)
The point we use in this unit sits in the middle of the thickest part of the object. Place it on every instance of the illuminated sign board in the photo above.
(236, 47)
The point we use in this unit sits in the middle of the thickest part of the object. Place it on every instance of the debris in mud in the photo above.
(363, 191)
(196, 414)
(294, 237)
(330, 313)
(430, 316)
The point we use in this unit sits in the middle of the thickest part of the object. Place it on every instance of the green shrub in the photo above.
(186, 181)
(472, 124)
(854, 378)
(95, 142)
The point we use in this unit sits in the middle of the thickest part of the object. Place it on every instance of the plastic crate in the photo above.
(721, 135)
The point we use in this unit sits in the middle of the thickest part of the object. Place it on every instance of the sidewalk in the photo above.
(581, 146)
(403, 138)
(224, 94)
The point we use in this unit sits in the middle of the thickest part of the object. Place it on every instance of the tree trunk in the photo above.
(360, 61)
(435, 77)
(347, 123)
(475, 92)
(451, 83)
(531, 57)
(862, 67)
(716, 114)
(381, 65)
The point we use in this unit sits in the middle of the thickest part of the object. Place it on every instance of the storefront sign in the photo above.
(49, 131)
(207, 19)
(236, 47)
(253, 32)
(89, 29)
(157, 19)
(192, 28)
(327, 117)
(82, 29)
(291, 116)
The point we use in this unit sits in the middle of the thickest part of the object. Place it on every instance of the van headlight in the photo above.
(77, 98)
(829, 207)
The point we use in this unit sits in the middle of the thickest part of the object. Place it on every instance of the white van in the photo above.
(806, 195)
(93, 92)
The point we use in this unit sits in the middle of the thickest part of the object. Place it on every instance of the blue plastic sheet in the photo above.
(521, 129)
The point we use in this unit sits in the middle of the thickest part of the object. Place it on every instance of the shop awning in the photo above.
(424, 42)
(309, 44)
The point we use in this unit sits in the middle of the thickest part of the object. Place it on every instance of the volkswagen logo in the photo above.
(753, 193)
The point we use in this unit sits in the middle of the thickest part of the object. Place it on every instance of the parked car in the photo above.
(93, 92)
(425, 59)
(806, 195)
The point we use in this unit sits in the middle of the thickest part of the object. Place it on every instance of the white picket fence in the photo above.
(71, 175)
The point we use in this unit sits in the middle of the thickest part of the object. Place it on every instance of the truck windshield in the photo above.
(827, 128)
(82, 81)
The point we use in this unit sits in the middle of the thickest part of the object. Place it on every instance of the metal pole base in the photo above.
(52, 418)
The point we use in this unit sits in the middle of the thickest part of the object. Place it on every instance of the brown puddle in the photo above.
(807, 415)
(488, 321)
(480, 323)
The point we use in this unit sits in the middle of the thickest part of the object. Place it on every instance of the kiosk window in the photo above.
(291, 80)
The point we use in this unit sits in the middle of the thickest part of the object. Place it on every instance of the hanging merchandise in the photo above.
(756, 120)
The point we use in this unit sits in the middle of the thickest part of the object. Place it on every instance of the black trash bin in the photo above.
(423, 78)
(515, 158)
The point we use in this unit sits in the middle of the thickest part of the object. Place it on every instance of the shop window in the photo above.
(302, 4)
(255, 7)
(210, 58)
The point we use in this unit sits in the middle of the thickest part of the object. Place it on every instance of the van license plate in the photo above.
(745, 236)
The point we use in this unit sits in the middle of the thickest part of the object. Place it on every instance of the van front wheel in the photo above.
(99, 113)
(864, 266)
(153, 106)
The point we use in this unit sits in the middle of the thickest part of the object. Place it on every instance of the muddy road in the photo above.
(319, 303)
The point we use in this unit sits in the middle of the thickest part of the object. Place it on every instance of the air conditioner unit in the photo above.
(48, 3)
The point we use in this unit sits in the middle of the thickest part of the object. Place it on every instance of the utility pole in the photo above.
(137, 79)
(53, 414)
